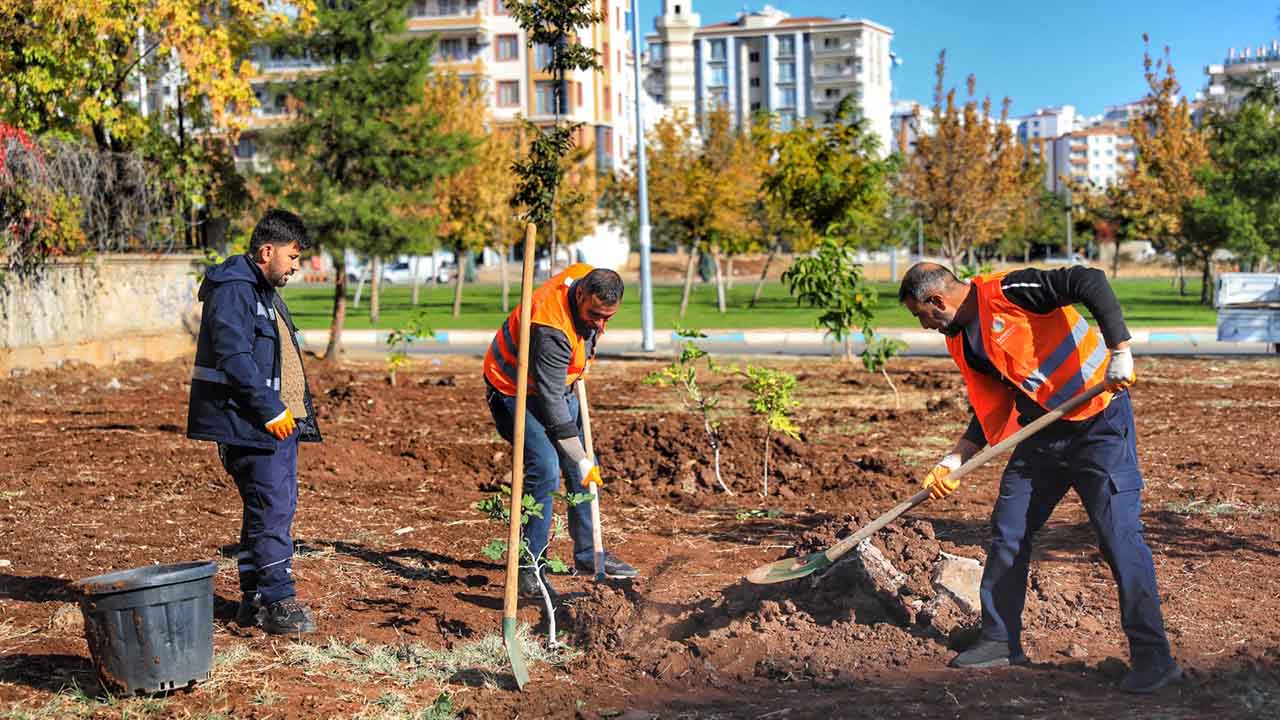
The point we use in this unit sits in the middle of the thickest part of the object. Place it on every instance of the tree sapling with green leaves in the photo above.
(876, 355)
(495, 508)
(399, 341)
(771, 399)
(682, 374)
(831, 280)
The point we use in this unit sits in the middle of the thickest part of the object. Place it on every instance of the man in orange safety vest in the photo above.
(1023, 350)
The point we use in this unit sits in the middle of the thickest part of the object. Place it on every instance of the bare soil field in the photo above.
(96, 475)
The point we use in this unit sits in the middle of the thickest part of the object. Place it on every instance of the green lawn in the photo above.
(1147, 303)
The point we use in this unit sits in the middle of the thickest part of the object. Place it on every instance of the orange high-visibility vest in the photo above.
(1052, 357)
(551, 308)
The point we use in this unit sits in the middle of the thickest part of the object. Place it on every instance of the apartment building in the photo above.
(767, 61)
(1100, 155)
(1229, 81)
(480, 42)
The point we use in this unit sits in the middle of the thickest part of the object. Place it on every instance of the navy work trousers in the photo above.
(268, 485)
(1097, 457)
(542, 470)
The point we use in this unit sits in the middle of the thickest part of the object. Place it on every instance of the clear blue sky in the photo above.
(1086, 53)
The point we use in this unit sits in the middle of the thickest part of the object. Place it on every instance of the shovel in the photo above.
(792, 568)
(597, 540)
(514, 653)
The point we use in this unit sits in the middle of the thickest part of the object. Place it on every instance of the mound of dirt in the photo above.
(884, 604)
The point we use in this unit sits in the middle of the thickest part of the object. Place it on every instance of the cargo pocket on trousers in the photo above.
(1125, 480)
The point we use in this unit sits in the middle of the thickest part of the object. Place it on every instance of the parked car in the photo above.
(401, 273)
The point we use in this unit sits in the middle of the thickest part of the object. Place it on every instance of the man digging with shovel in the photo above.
(1024, 350)
(568, 314)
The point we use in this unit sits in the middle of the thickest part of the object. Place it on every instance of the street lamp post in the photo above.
(642, 199)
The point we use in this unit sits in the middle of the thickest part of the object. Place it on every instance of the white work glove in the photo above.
(1120, 373)
(939, 479)
(590, 474)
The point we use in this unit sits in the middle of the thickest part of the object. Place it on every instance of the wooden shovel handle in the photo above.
(517, 444)
(982, 458)
(597, 538)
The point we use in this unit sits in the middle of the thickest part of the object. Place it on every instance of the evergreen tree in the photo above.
(365, 152)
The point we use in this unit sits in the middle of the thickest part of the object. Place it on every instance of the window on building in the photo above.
(831, 93)
(542, 55)
(544, 97)
(677, 9)
(508, 93)
(753, 56)
(718, 51)
(507, 47)
(787, 97)
(786, 46)
(755, 106)
(578, 94)
(450, 49)
(829, 43)
(786, 72)
(246, 147)
(786, 121)
(605, 56)
(754, 82)
(655, 51)
(719, 76)
(608, 100)
(719, 99)
(499, 7)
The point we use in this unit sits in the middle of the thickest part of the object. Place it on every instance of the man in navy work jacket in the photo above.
(249, 394)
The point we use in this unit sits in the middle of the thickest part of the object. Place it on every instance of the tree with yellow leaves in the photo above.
(1171, 152)
(968, 176)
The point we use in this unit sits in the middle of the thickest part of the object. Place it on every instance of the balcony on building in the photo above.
(445, 14)
(830, 74)
(842, 44)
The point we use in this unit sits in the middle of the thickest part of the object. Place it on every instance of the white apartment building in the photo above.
(480, 42)
(1228, 82)
(770, 62)
(1100, 155)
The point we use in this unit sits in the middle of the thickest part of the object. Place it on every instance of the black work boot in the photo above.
(287, 617)
(613, 567)
(528, 586)
(987, 654)
(247, 613)
(1148, 677)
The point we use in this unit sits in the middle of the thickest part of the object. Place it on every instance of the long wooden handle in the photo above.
(597, 538)
(982, 458)
(517, 445)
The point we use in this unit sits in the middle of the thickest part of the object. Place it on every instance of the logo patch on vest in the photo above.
(997, 326)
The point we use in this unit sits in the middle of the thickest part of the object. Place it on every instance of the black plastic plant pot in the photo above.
(150, 629)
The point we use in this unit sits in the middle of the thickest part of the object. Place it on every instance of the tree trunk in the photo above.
(767, 433)
(359, 291)
(688, 278)
(1115, 261)
(1206, 281)
(435, 267)
(728, 273)
(506, 283)
(375, 285)
(1182, 279)
(333, 351)
(413, 269)
(1026, 255)
(457, 283)
(715, 258)
(768, 260)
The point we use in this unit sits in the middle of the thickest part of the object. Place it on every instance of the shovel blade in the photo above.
(514, 653)
(788, 569)
(599, 567)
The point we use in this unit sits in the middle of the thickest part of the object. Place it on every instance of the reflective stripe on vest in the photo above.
(1051, 357)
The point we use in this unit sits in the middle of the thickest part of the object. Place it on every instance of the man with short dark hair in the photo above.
(249, 394)
(1024, 350)
(569, 313)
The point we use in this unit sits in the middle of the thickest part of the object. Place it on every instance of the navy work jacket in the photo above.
(235, 382)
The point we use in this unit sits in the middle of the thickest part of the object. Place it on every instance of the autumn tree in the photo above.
(967, 176)
(365, 149)
(1109, 212)
(471, 204)
(778, 227)
(1171, 152)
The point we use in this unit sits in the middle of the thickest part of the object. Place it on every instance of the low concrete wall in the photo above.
(101, 311)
